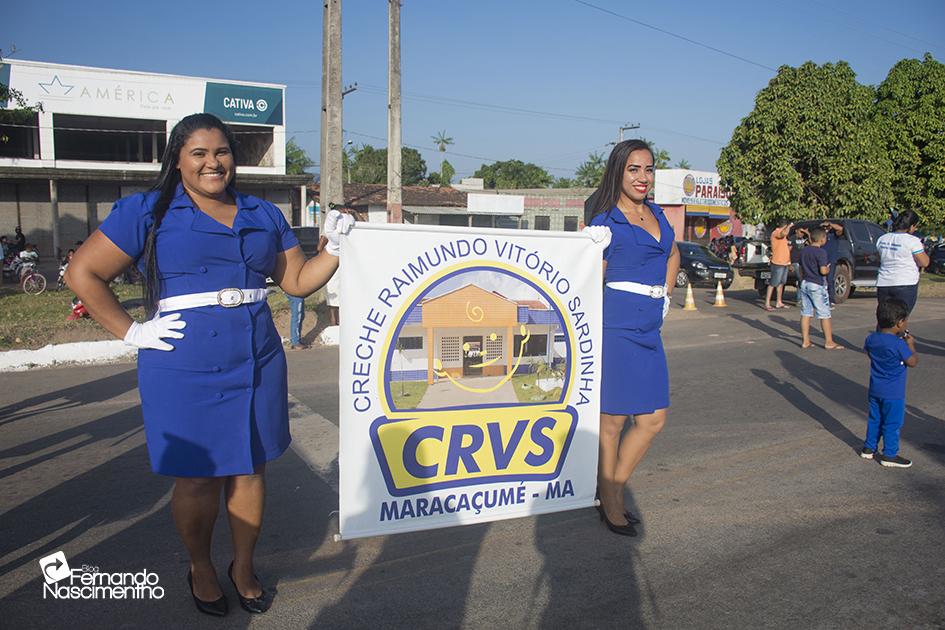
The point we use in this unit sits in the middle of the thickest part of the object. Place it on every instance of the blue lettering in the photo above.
(412, 445)
(503, 455)
(389, 511)
(542, 441)
(466, 453)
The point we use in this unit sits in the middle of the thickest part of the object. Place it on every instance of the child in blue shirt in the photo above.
(891, 349)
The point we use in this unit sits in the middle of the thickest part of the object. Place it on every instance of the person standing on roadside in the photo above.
(640, 258)
(19, 240)
(832, 247)
(780, 263)
(812, 293)
(214, 400)
(297, 310)
(900, 255)
(891, 350)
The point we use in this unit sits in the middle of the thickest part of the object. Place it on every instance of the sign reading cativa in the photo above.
(469, 376)
(244, 103)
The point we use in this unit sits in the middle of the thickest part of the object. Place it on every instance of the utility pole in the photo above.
(626, 127)
(394, 180)
(330, 188)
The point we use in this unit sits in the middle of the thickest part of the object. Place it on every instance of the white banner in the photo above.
(469, 376)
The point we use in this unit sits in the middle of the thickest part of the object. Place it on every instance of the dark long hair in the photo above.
(905, 220)
(166, 185)
(611, 183)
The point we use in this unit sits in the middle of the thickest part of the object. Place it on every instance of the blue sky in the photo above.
(584, 70)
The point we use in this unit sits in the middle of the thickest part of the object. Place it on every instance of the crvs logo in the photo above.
(477, 370)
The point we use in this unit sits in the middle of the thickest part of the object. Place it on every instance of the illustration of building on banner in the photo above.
(480, 349)
(472, 332)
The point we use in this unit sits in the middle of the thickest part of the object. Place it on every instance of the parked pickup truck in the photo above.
(857, 257)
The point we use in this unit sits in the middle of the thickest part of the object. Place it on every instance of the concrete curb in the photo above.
(80, 352)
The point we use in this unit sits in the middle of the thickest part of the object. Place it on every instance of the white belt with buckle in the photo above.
(227, 298)
(656, 291)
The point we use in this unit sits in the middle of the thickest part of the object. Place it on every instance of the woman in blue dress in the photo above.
(211, 369)
(635, 380)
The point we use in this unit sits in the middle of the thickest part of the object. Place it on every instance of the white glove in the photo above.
(150, 333)
(336, 224)
(599, 234)
(667, 300)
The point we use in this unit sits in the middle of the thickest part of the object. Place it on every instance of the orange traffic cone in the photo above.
(690, 300)
(719, 296)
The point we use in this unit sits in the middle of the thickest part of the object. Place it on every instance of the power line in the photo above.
(677, 36)
(885, 28)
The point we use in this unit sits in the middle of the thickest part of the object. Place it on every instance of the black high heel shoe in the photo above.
(216, 608)
(256, 605)
(623, 530)
(633, 520)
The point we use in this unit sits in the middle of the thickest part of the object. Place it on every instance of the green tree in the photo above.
(442, 141)
(683, 164)
(296, 159)
(19, 111)
(910, 116)
(660, 156)
(591, 170)
(563, 182)
(513, 174)
(808, 149)
(367, 165)
(446, 173)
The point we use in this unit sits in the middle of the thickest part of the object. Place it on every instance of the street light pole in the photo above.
(626, 127)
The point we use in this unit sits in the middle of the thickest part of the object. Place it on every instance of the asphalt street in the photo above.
(757, 510)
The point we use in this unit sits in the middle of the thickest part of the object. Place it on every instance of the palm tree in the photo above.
(442, 141)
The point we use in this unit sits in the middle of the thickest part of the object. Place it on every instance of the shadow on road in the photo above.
(921, 429)
(589, 576)
(70, 397)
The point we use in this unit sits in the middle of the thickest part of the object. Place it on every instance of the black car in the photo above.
(698, 265)
(937, 259)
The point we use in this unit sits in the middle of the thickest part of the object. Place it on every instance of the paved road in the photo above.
(757, 511)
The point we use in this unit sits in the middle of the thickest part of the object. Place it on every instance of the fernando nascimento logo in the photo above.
(88, 582)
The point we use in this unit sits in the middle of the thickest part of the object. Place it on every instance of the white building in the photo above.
(100, 135)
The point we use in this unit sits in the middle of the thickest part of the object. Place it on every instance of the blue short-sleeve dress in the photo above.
(217, 404)
(634, 376)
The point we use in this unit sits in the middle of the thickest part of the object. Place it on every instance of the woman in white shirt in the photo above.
(901, 254)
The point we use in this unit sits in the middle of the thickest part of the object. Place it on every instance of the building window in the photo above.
(537, 345)
(493, 347)
(570, 224)
(410, 343)
(542, 222)
(100, 139)
(509, 223)
(253, 145)
(451, 351)
(481, 221)
(457, 220)
(19, 135)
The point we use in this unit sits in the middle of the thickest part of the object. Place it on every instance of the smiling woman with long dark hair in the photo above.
(211, 369)
(634, 378)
